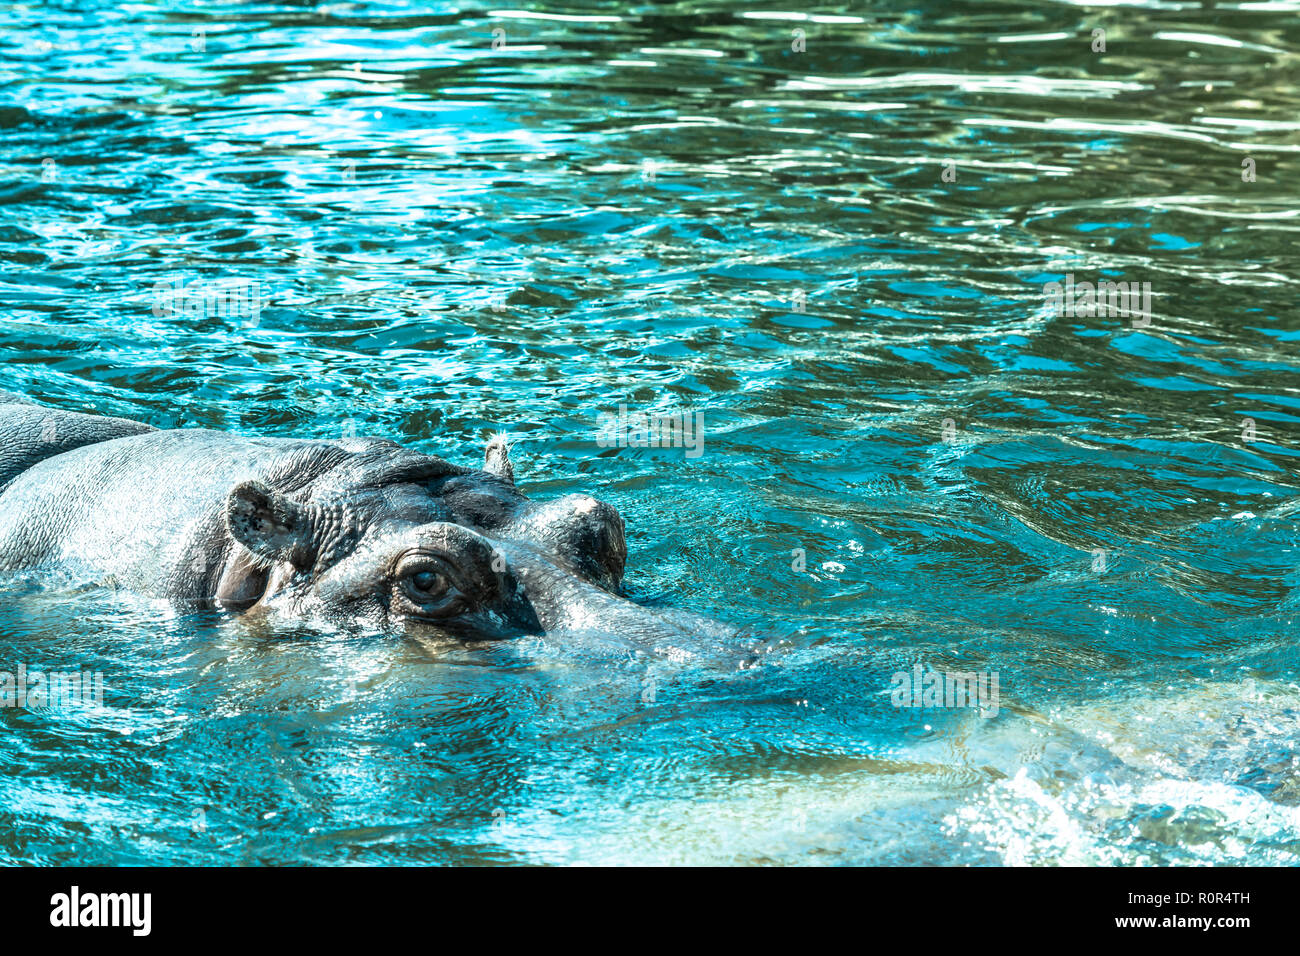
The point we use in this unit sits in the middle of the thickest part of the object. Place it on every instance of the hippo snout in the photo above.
(581, 533)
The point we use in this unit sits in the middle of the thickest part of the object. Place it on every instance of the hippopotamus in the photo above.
(356, 531)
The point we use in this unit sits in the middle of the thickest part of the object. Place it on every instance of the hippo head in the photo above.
(388, 537)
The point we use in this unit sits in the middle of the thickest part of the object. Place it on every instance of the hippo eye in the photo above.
(426, 582)
(426, 585)
(431, 588)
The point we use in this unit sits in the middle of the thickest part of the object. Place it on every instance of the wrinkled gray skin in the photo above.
(354, 531)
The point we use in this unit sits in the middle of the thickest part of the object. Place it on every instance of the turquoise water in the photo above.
(911, 457)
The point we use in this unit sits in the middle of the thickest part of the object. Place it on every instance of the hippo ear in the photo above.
(269, 524)
(497, 459)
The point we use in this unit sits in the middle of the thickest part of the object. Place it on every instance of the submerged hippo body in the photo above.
(357, 530)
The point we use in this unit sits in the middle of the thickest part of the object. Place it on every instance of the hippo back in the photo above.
(31, 433)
